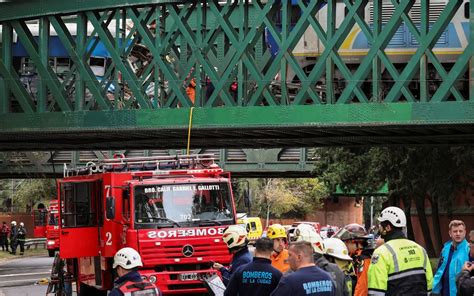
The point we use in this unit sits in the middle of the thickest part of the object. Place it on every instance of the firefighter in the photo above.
(4, 232)
(235, 237)
(277, 233)
(307, 279)
(305, 232)
(399, 266)
(13, 237)
(258, 278)
(130, 282)
(191, 90)
(360, 246)
(21, 237)
(336, 252)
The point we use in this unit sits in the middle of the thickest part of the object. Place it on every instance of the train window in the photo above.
(98, 65)
(295, 15)
(467, 10)
(79, 204)
(362, 15)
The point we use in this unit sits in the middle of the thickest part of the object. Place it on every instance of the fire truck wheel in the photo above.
(51, 253)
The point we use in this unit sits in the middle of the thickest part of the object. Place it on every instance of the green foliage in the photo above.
(310, 193)
(26, 192)
(414, 175)
(353, 169)
(284, 196)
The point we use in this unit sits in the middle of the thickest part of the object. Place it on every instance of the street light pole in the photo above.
(371, 210)
(13, 193)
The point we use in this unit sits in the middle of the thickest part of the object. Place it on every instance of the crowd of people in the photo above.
(349, 263)
(12, 237)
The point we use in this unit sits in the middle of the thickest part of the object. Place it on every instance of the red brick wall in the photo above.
(338, 213)
(463, 209)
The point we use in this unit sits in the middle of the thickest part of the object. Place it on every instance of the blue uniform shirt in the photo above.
(240, 258)
(309, 280)
(258, 278)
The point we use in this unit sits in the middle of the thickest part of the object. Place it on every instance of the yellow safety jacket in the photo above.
(400, 267)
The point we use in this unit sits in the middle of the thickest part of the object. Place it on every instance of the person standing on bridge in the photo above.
(130, 282)
(4, 232)
(22, 237)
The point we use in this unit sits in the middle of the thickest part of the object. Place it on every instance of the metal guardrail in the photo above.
(35, 242)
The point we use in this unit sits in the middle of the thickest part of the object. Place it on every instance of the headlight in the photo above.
(50, 243)
(152, 279)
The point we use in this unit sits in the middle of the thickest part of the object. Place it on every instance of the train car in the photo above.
(399, 50)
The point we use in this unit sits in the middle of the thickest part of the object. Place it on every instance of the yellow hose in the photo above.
(190, 125)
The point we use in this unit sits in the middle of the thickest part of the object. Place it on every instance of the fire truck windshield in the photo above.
(53, 219)
(180, 205)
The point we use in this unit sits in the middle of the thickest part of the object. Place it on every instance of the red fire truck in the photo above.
(52, 229)
(40, 216)
(172, 210)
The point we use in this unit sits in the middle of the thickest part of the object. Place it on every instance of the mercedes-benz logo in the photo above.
(188, 251)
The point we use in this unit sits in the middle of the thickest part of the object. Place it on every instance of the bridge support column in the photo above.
(6, 57)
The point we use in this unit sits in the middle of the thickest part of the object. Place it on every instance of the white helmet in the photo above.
(13, 223)
(305, 232)
(337, 249)
(235, 236)
(128, 258)
(394, 215)
(22, 224)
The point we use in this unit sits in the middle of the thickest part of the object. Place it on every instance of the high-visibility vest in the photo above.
(400, 267)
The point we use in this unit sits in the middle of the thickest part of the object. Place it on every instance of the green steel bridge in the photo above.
(289, 162)
(268, 74)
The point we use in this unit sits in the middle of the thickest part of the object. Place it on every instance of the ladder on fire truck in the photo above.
(120, 163)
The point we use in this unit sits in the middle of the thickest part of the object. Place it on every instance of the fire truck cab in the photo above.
(52, 228)
(40, 221)
(172, 210)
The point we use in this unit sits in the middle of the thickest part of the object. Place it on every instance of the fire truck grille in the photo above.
(188, 286)
(182, 267)
(169, 254)
(53, 233)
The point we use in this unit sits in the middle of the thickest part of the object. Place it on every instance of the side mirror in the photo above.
(110, 207)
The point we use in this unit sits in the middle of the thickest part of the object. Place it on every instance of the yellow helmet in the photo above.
(276, 231)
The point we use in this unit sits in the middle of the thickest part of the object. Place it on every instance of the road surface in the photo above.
(18, 277)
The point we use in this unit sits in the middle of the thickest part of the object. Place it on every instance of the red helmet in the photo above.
(352, 231)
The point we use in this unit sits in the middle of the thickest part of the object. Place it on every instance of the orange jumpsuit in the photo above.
(280, 260)
(191, 90)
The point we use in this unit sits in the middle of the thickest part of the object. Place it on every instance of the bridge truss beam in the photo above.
(294, 162)
(259, 83)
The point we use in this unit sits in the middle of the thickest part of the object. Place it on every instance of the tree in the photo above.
(28, 192)
(280, 197)
(415, 175)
